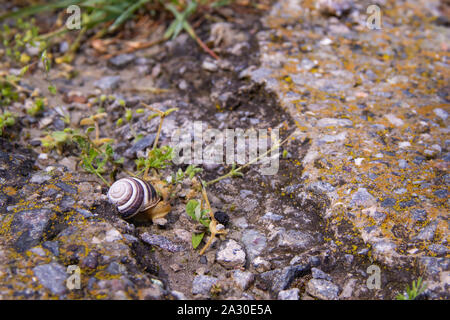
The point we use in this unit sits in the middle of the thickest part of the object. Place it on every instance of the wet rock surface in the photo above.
(364, 181)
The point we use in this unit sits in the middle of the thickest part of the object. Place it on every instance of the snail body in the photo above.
(132, 196)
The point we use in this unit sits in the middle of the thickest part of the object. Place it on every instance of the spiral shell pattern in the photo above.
(132, 195)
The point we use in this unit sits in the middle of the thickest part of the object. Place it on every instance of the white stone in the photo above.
(291, 294)
(404, 144)
(358, 161)
(231, 254)
(394, 120)
(243, 279)
(112, 235)
(326, 42)
(441, 113)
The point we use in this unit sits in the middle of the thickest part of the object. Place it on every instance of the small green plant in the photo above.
(162, 115)
(46, 62)
(37, 107)
(128, 117)
(96, 155)
(412, 293)
(95, 159)
(194, 210)
(16, 39)
(56, 140)
(8, 92)
(10, 88)
(158, 158)
(6, 120)
(190, 172)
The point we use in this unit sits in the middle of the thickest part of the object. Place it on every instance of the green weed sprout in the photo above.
(6, 120)
(412, 293)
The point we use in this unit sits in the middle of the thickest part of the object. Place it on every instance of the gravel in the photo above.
(362, 198)
(272, 216)
(29, 227)
(122, 60)
(291, 294)
(52, 246)
(40, 178)
(322, 289)
(427, 233)
(319, 274)
(231, 254)
(202, 284)
(298, 240)
(161, 241)
(331, 122)
(108, 83)
(52, 276)
(243, 279)
(254, 241)
(280, 279)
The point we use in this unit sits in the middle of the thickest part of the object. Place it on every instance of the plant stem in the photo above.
(161, 119)
(210, 240)
(130, 173)
(233, 171)
(162, 115)
(208, 205)
(76, 44)
(99, 175)
(92, 145)
(97, 130)
(18, 87)
(51, 34)
(212, 224)
(192, 33)
(229, 174)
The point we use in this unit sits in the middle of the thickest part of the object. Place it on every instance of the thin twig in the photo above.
(133, 49)
(212, 224)
(97, 130)
(158, 132)
(161, 119)
(192, 33)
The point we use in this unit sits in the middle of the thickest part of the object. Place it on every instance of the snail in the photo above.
(137, 197)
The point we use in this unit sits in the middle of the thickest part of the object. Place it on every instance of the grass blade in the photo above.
(27, 11)
(124, 16)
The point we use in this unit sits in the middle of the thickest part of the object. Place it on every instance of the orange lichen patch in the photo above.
(67, 177)
(6, 225)
(402, 85)
(10, 191)
(427, 110)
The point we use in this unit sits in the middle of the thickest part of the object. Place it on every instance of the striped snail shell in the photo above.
(132, 195)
